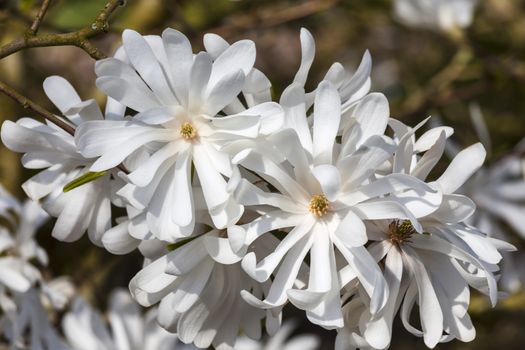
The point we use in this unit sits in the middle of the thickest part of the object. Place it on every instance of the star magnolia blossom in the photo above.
(178, 122)
(435, 14)
(198, 287)
(18, 247)
(29, 326)
(85, 329)
(432, 267)
(498, 190)
(381, 237)
(45, 146)
(325, 193)
(24, 321)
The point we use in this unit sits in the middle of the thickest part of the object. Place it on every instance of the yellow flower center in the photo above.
(400, 232)
(319, 205)
(187, 130)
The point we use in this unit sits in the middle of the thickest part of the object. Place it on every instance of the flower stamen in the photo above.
(400, 232)
(319, 205)
(188, 131)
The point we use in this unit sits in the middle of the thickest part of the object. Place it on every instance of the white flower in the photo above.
(45, 146)
(433, 269)
(435, 14)
(280, 341)
(85, 329)
(498, 190)
(325, 192)
(18, 246)
(177, 121)
(198, 286)
(29, 326)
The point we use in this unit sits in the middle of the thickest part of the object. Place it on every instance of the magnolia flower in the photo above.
(18, 246)
(178, 96)
(45, 146)
(198, 286)
(435, 14)
(25, 321)
(498, 190)
(85, 329)
(435, 268)
(325, 192)
(280, 341)
(29, 326)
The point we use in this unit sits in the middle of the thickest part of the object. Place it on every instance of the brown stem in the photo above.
(41, 111)
(39, 17)
(28, 104)
(79, 38)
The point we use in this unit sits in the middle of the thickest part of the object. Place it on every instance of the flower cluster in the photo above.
(241, 205)
(25, 295)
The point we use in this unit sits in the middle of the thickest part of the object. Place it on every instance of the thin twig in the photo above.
(79, 38)
(39, 17)
(272, 16)
(28, 104)
(41, 111)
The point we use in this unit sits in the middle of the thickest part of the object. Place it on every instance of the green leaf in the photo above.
(84, 179)
(172, 246)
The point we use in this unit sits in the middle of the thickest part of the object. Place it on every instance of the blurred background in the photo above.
(448, 74)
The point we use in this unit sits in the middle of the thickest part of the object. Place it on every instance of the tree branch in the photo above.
(41, 111)
(39, 17)
(79, 38)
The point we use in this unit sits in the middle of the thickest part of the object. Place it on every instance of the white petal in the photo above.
(429, 138)
(454, 208)
(183, 201)
(264, 269)
(462, 167)
(224, 92)
(307, 56)
(294, 105)
(214, 44)
(372, 113)
(327, 115)
(212, 182)
(359, 84)
(151, 283)
(199, 77)
(352, 231)
(368, 273)
(146, 64)
(135, 97)
(239, 56)
(429, 307)
(329, 179)
(117, 240)
(180, 59)
(61, 93)
(427, 162)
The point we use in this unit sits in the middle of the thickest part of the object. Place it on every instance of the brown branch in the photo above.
(79, 38)
(272, 16)
(41, 111)
(39, 17)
